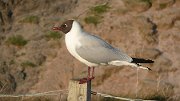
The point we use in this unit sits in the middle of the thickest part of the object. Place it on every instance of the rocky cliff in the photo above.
(33, 58)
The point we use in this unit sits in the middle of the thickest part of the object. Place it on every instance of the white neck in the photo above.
(76, 29)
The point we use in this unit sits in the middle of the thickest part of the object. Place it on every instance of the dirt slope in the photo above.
(141, 28)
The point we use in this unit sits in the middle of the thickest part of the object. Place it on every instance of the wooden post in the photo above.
(79, 92)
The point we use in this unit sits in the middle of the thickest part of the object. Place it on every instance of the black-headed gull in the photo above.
(94, 51)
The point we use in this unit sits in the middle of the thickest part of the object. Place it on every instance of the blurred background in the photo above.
(33, 58)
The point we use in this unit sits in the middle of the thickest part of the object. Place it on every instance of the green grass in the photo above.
(162, 6)
(28, 64)
(53, 35)
(96, 14)
(147, 1)
(31, 19)
(92, 20)
(17, 40)
(99, 9)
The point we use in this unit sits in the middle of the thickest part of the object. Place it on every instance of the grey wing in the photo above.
(95, 50)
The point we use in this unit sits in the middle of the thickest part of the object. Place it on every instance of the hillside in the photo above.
(33, 58)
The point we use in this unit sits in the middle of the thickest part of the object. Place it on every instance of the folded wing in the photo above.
(96, 50)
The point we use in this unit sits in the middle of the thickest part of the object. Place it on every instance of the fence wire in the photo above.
(118, 98)
(59, 92)
(48, 93)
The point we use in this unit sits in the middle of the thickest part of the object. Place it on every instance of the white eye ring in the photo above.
(65, 25)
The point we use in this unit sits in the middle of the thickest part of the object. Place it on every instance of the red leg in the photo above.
(89, 77)
(92, 77)
(84, 80)
(89, 72)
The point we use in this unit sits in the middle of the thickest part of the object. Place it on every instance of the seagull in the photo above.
(94, 51)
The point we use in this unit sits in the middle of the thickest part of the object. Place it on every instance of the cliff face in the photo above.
(33, 58)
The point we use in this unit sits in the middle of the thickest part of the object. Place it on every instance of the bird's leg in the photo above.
(84, 80)
(89, 76)
(89, 72)
(92, 77)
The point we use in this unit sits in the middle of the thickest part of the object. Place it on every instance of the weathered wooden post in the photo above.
(79, 92)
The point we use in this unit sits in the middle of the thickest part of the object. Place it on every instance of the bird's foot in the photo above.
(85, 80)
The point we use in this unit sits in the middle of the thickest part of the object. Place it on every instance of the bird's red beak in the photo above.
(56, 28)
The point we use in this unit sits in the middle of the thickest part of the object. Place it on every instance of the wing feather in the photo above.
(95, 50)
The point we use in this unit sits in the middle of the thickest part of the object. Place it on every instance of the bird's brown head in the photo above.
(65, 27)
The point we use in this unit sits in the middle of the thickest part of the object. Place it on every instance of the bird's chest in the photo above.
(71, 43)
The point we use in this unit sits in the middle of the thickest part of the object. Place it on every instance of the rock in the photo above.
(141, 28)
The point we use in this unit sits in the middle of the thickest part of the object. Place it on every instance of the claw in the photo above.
(89, 78)
(85, 80)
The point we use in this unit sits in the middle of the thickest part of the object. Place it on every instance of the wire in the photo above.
(48, 93)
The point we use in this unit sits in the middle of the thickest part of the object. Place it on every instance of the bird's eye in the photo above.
(64, 25)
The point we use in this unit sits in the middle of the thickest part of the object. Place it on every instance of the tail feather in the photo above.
(141, 60)
(121, 63)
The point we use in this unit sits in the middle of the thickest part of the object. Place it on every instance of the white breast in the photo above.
(72, 41)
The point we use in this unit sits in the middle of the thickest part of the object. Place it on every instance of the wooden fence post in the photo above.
(79, 92)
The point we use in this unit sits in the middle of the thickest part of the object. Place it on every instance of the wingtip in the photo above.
(141, 60)
(149, 69)
(150, 61)
(146, 68)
